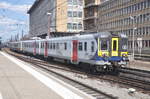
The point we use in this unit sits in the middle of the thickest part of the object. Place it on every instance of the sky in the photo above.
(14, 18)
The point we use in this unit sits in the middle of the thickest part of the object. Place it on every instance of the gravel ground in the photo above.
(110, 88)
(139, 65)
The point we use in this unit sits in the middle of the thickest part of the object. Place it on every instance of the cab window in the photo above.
(104, 45)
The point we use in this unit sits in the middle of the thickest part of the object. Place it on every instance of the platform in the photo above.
(18, 80)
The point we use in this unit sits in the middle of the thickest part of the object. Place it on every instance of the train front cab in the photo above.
(112, 52)
(103, 54)
(119, 54)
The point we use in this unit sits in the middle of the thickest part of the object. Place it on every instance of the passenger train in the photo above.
(101, 52)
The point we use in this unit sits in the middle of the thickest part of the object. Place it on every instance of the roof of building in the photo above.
(34, 6)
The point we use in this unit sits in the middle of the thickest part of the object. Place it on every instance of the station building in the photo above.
(131, 17)
(65, 17)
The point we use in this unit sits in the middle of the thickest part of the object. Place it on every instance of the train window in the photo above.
(42, 45)
(114, 45)
(53, 45)
(80, 46)
(85, 46)
(104, 45)
(124, 43)
(57, 45)
(65, 44)
(49, 45)
(92, 46)
(37, 46)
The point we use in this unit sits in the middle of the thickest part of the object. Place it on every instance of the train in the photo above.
(99, 52)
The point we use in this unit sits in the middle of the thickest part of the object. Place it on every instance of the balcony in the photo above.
(91, 3)
(90, 18)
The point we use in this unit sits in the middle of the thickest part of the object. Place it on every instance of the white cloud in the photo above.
(18, 8)
(9, 21)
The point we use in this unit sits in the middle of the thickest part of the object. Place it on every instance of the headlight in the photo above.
(124, 55)
(104, 55)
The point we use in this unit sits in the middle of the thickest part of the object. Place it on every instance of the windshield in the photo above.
(104, 45)
(124, 44)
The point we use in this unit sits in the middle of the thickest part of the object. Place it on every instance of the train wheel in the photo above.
(93, 69)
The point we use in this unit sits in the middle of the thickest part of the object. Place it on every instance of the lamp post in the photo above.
(133, 36)
(134, 28)
(49, 16)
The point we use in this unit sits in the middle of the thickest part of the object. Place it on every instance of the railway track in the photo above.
(121, 79)
(141, 77)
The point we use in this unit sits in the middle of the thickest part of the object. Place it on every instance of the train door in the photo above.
(34, 48)
(74, 51)
(114, 47)
(21, 47)
(46, 49)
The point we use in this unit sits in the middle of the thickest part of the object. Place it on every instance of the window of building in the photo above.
(75, 14)
(146, 30)
(80, 46)
(79, 26)
(80, 14)
(69, 1)
(75, 2)
(80, 2)
(69, 26)
(74, 26)
(69, 14)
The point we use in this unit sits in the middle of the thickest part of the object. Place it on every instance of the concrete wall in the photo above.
(59, 16)
(39, 18)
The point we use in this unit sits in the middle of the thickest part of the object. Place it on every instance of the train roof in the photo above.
(83, 36)
(78, 36)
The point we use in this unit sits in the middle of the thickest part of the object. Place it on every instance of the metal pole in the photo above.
(133, 41)
(48, 26)
(49, 16)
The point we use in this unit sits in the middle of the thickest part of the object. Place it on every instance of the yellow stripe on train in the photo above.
(124, 53)
(114, 47)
